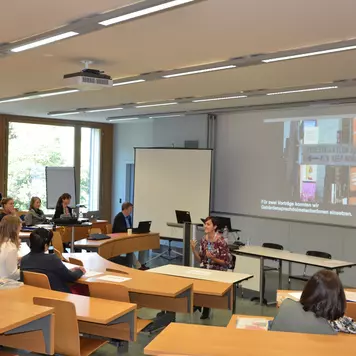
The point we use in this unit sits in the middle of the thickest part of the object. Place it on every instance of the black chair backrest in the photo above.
(272, 245)
(320, 254)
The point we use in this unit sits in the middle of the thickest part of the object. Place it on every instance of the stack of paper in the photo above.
(295, 295)
(350, 296)
(252, 323)
(116, 279)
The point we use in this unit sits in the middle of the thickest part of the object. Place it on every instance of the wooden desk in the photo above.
(80, 232)
(204, 275)
(199, 340)
(162, 292)
(120, 244)
(95, 316)
(233, 320)
(27, 326)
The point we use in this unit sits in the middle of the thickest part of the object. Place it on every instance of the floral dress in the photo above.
(219, 249)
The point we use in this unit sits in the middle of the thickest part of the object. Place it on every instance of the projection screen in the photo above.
(169, 179)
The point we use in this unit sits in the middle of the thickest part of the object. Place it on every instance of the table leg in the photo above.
(72, 244)
(280, 274)
(261, 279)
(234, 297)
(289, 273)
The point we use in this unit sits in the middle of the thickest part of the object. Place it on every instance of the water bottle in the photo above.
(209, 249)
(226, 234)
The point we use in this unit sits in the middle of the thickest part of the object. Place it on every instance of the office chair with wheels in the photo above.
(304, 277)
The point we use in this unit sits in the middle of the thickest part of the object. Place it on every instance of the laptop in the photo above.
(183, 217)
(143, 227)
(92, 215)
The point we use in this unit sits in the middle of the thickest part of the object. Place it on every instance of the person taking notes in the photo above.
(62, 207)
(10, 227)
(49, 264)
(213, 251)
(122, 223)
(321, 308)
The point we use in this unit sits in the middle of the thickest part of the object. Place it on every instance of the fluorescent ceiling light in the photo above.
(199, 71)
(129, 82)
(15, 99)
(302, 90)
(56, 93)
(163, 116)
(66, 113)
(37, 96)
(44, 41)
(128, 119)
(310, 54)
(150, 10)
(217, 99)
(154, 105)
(99, 110)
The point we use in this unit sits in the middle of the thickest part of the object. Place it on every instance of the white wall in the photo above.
(151, 133)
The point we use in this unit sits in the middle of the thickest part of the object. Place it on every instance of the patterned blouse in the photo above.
(218, 249)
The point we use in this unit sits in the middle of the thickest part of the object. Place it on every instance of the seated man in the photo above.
(122, 223)
(49, 264)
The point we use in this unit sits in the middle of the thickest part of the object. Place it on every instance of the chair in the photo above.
(36, 280)
(66, 331)
(57, 241)
(94, 230)
(75, 261)
(268, 269)
(118, 293)
(108, 228)
(305, 277)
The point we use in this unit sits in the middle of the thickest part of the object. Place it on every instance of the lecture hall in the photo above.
(177, 177)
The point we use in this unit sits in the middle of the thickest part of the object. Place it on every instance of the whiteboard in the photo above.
(59, 180)
(169, 179)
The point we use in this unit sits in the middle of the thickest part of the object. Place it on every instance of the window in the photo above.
(90, 168)
(31, 148)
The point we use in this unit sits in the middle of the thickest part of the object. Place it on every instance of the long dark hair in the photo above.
(61, 198)
(324, 295)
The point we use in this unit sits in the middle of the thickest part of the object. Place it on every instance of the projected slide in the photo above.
(320, 167)
(288, 167)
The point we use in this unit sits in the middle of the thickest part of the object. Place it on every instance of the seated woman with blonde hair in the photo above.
(35, 215)
(10, 227)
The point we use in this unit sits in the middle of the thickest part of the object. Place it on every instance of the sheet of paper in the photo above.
(24, 249)
(92, 274)
(70, 265)
(350, 296)
(116, 279)
(296, 295)
(199, 272)
(252, 323)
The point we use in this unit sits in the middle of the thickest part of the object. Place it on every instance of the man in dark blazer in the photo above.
(123, 220)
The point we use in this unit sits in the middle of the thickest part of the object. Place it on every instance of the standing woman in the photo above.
(35, 215)
(8, 207)
(62, 207)
(213, 251)
(10, 227)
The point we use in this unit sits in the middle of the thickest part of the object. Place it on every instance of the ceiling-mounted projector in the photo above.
(88, 79)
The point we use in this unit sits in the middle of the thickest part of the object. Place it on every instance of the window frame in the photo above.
(106, 150)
